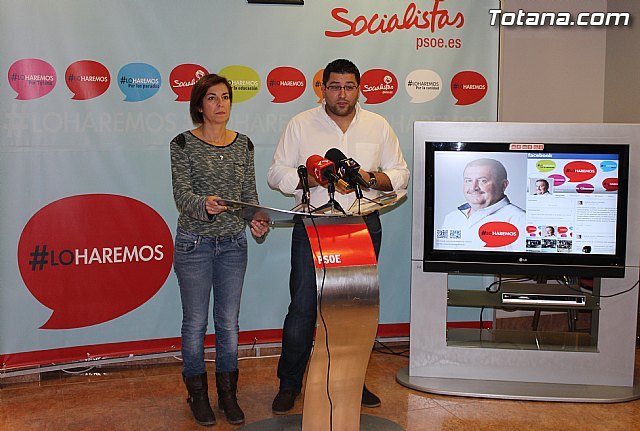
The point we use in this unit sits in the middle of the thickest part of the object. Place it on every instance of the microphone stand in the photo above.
(333, 205)
(360, 196)
(305, 205)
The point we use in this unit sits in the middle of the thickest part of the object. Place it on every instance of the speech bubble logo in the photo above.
(610, 184)
(558, 179)
(562, 230)
(378, 86)
(468, 87)
(317, 84)
(182, 79)
(585, 188)
(498, 234)
(608, 166)
(579, 171)
(31, 78)
(138, 81)
(531, 229)
(545, 165)
(87, 79)
(423, 85)
(244, 81)
(286, 84)
(93, 258)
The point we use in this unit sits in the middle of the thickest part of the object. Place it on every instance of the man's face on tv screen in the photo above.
(541, 187)
(481, 187)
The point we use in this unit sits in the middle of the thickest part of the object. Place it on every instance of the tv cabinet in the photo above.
(487, 335)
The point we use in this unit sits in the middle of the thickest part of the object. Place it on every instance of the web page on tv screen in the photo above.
(540, 202)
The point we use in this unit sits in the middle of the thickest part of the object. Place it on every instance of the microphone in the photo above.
(302, 174)
(324, 170)
(348, 169)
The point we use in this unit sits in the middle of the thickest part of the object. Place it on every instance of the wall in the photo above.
(622, 92)
(553, 74)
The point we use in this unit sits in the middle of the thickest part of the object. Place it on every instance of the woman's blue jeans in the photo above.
(201, 264)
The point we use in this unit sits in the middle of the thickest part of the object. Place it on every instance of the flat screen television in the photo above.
(547, 207)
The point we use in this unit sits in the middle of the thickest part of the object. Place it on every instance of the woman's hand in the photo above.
(259, 228)
(213, 206)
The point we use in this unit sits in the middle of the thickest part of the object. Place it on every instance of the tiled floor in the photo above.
(152, 397)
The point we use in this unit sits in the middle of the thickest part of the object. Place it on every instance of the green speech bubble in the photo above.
(545, 165)
(244, 81)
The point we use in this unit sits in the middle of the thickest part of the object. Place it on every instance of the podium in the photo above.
(348, 307)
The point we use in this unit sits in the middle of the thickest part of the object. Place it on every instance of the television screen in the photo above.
(526, 208)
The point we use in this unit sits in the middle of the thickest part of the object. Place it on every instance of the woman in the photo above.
(208, 163)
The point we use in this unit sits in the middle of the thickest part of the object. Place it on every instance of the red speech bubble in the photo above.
(610, 184)
(31, 78)
(498, 234)
(378, 86)
(87, 79)
(532, 229)
(468, 87)
(317, 84)
(286, 84)
(579, 171)
(92, 258)
(585, 188)
(183, 77)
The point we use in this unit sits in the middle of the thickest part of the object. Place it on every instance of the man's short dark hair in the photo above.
(340, 66)
(198, 92)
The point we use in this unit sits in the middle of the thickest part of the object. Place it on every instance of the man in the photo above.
(339, 122)
(542, 187)
(484, 185)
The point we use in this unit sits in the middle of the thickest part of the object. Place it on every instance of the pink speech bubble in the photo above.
(558, 179)
(286, 84)
(87, 79)
(585, 188)
(498, 234)
(183, 77)
(378, 85)
(468, 87)
(92, 258)
(31, 78)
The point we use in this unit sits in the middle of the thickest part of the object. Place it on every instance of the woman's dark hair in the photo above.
(200, 90)
(340, 66)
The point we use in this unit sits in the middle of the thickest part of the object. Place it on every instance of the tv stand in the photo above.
(599, 368)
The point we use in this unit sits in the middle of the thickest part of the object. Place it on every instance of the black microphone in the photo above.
(304, 180)
(348, 169)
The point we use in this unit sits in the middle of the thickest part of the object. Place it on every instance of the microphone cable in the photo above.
(324, 323)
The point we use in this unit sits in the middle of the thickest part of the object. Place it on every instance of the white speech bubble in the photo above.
(423, 85)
